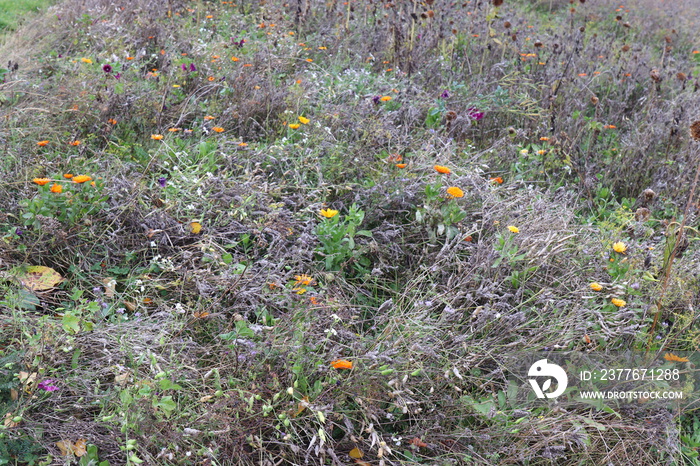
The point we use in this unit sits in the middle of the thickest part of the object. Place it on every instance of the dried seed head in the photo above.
(507, 25)
(668, 39)
(451, 115)
(618, 18)
(655, 76)
(429, 2)
(626, 25)
(695, 130)
(430, 13)
(582, 1)
(642, 214)
(594, 100)
(626, 48)
(649, 195)
(538, 44)
(514, 37)
(681, 76)
(497, 2)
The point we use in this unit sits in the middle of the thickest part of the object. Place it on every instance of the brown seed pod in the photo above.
(681, 76)
(655, 76)
(451, 115)
(594, 100)
(626, 48)
(538, 44)
(497, 2)
(507, 25)
(626, 25)
(695, 130)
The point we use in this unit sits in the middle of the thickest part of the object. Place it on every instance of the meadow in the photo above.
(268, 232)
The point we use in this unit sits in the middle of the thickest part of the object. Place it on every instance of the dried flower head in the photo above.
(642, 214)
(507, 25)
(655, 76)
(649, 195)
(695, 130)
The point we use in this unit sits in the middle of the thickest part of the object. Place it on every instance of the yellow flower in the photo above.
(455, 191)
(41, 181)
(385, 98)
(595, 286)
(294, 125)
(341, 364)
(218, 129)
(619, 247)
(513, 229)
(619, 302)
(56, 188)
(86, 60)
(329, 213)
(303, 279)
(157, 137)
(304, 120)
(443, 170)
(81, 178)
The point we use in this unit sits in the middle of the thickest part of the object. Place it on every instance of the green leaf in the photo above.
(71, 323)
(167, 404)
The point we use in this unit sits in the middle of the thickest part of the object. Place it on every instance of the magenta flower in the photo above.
(192, 67)
(46, 385)
(475, 114)
(107, 68)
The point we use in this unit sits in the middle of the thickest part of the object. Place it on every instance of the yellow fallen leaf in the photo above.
(206, 398)
(195, 227)
(110, 287)
(14, 394)
(9, 423)
(36, 277)
(356, 453)
(67, 448)
(80, 447)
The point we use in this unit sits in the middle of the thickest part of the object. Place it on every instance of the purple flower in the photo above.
(445, 94)
(162, 181)
(46, 385)
(18, 231)
(475, 114)
(192, 67)
(238, 44)
(184, 67)
(375, 99)
(107, 68)
(117, 76)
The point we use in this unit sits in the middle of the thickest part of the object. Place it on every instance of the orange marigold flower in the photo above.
(211, 78)
(218, 129)
(68, 175)
(455, 191)
(81, 178)
(341, 364)
(112, 121)
(74, 143)
(619, 302)
(595, 286)
(309, 60)
(157, 137)
(294, 125)
(400, 165)
(56, 188)
(544, 138)
(209, 117)
(385, 98)
(42, 143)
(443, 170)
(235, 58)
(41, 181)
(497, 179)
(174, 130)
